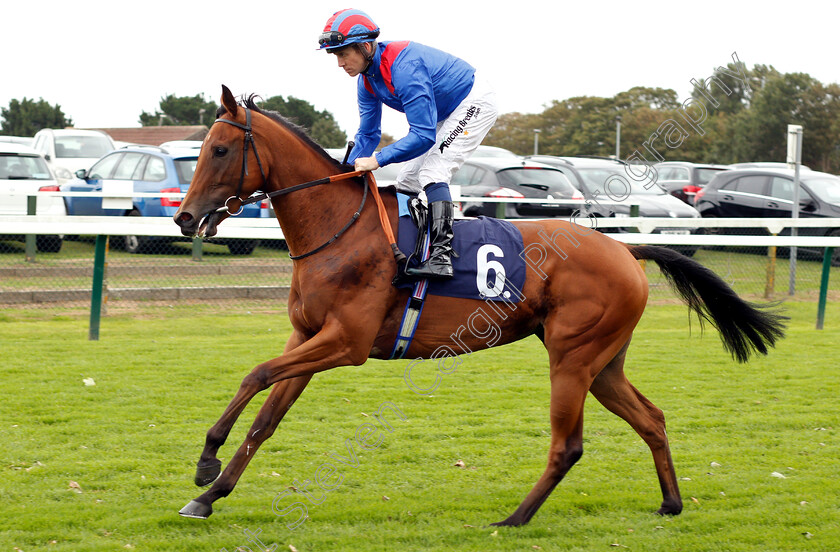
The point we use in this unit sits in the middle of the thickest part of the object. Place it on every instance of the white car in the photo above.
(69, 149)
(24, 172)
(18, 140)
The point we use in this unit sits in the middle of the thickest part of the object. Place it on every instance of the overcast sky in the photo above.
(105, 62)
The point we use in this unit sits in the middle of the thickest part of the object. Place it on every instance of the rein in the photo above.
(231, 202)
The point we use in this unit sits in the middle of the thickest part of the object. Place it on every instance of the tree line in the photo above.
(736, 115)
(26, 117)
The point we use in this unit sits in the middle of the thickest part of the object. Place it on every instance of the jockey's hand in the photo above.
(366, 164)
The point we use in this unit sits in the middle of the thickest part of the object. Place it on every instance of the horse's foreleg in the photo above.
(617, 394)
(209, 466)
(568, 392)
(327, 349)
(279, 401)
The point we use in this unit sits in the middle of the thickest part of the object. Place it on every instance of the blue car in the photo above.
(149, 170)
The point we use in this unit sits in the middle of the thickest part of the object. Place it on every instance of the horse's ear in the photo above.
(228, 101)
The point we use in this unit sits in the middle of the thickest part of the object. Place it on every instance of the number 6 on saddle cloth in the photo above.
(488, 265)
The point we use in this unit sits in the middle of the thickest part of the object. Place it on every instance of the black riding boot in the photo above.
(439, 265)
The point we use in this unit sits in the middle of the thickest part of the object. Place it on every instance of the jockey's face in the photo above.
(352, 60)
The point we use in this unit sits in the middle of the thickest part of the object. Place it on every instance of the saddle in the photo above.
(488, 266)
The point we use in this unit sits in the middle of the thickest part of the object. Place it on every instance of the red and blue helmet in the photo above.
(347, 27)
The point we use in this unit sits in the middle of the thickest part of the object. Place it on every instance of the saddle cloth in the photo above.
(488, 265)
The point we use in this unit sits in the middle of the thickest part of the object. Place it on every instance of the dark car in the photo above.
(593, 176)
(682, 179)
(145, 170)
(769, 193)
(514, 178)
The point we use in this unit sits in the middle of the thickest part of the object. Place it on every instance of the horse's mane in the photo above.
(299, 131)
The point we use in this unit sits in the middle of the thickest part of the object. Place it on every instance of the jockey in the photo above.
(448, 109)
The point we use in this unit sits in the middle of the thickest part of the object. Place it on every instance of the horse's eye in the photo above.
(219, 151)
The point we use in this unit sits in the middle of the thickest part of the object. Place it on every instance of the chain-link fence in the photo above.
(756, 273)
(166, 275)
(172, 275)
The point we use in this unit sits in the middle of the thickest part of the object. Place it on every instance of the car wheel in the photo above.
(242, 247)
(136, 244)
(711, 231)
(708, 230)
(48, 244)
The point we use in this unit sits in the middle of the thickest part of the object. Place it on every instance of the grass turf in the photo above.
(107, 466)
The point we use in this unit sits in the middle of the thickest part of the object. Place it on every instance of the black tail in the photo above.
(744, 327)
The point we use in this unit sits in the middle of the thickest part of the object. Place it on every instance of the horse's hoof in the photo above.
(196, 510)
(670, 510)
(204, 475)
(507, 523)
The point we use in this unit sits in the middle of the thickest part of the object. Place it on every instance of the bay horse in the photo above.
(583, 302)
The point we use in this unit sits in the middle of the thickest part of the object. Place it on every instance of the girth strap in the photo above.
(413, 309)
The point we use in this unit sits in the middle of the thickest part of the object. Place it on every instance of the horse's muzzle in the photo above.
(187, 223)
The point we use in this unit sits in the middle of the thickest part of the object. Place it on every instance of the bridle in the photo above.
(231, 202)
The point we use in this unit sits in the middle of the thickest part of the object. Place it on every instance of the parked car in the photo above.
(26, 141)
(385, 176)
(764, 165)
(769, 193)
(592, 176)
(24, 172)
(494, 151)
(146, 169)
(182, 144)
(69, 149)
(682, 179)
(514, 178)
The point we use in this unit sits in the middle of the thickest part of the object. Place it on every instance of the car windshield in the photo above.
(23, 167)
(607, 179)
(81, 146)
(186, 169)
(827, 189)
(550, 180)
(704, 175)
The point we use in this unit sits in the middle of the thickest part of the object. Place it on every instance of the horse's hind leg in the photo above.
(617, 394)
(580, 341)
(568, 393)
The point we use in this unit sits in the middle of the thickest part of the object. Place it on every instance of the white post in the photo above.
(794, 159)
(618, 137)
(536, 141)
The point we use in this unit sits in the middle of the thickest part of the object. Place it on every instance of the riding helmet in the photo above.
(347, 27)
